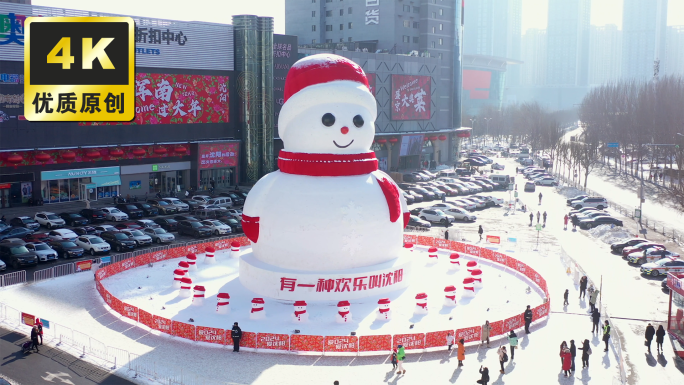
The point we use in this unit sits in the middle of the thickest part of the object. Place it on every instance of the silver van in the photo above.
(203, 214)
(221, 202)
(501, 180)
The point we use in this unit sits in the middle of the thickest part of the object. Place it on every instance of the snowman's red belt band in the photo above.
(327, 164)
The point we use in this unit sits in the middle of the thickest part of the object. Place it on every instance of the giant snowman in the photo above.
(328, 208)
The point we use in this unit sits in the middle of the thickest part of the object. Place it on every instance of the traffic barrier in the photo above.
(13, 278)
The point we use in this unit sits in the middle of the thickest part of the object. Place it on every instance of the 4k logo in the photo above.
(79, 69)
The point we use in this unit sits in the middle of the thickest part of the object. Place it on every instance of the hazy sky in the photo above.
(220, 11)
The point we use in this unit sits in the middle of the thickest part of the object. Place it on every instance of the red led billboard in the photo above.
(477, 83)
(410, 97)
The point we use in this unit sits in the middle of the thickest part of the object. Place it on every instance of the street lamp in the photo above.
(487, 133)
(472, 123)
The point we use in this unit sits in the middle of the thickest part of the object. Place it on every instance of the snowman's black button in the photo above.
(328, 119)
(358, 121)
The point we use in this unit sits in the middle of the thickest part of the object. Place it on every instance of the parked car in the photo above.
(67, 249)
(131, 210)
(145, 223)
(530, 187)
(74, 219)
(576, 198)
(417, 222)
(194, 228)
(17, 255)
(139, 237)
(592, 215)
(36, 237)
(653, 254)
(618, 246)
(662, 267)
(220, 202)
(175, 202)
(235, 225)
(459, 214)
(128, 226)
(584, 211)
(93, 215)
(427, 195)
(85, 230)
(167, 224)
(159, 235)
(490, 200)
(24, 221)
(164, 207)
(14, 232)
(93, 244)
(591, 223)
(546, 181)
(479, 203)
(102, 228)
(42, 250)
(408, 197)
(49, 220)
(114, 214)
(237, 200)
(217, 227)
(435, 216)
(201, 198)
(469, 205)
(193, 204)
(62, 234)
(497, 166)
(641, 247)
(118, 241)
(147, 209)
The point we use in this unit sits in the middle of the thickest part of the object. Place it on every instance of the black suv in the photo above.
(93, 215)
(26, 222)
(235, 225)
(147, 210)
(67, 249)
(118, 241)
(132, 210)
(167, 224)
(16, 255)
(196, 229)
(74, 219)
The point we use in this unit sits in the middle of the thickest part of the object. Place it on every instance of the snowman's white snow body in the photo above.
(300, 318)
(384, 312)
(454, 263)
(450, 302)
(347, 317)
(421, 309)
(432, 257)
(257, 315)
(325, 223)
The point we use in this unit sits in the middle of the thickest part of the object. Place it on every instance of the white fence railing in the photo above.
(13, 278)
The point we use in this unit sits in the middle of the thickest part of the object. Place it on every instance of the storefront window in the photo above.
(75, 193)
(677, 315)
(222, 178)
(54, 191)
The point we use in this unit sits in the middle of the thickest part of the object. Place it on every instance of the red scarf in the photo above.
(423, 305)
(432, 255)
(254, 310)
(455, 262)
(299, 163)
(451, 297)
(298, 313)
(343, 313)
(384, 310)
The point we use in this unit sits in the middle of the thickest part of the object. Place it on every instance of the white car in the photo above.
(103, 228)
(236, 213)
(62, 235)
(597, 202)
(114, 214)
(93, 244)
(138, 236)
(217, 227)
(653, 254)
(432, 215)
(159, 235)
(490, 200)
(469, 205)
(458, 214)
(201, 198)
(145, 223)
(546, 181)
(479, 203)
(45, 253)
(49, 220)
(177, 203)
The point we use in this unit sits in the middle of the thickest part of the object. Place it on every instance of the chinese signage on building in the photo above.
(284, 56)
(218, 155)
(175, 99)
(372, 12)
(11, 90)
(410, 97)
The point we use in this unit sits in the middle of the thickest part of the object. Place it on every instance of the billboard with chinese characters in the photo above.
(410, 97)
(218, 155)
(11, 92)
(476, 84)
(284, 56)
(372, 12)
(175, 99)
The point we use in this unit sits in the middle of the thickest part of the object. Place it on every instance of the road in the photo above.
(48, 366)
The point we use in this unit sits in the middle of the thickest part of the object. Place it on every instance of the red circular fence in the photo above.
(379, 344)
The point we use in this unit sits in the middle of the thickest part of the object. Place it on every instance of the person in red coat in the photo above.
(567, 361)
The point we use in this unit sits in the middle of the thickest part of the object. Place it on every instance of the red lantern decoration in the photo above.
(433, 138)
(43, 157)
(92, 154)
(116, 152)
(160, 150)
(68, 155)
(14, 159)
(138, 152)
(425, 139)
(442, 137)
(381, 141)
(180, 150)
(393, 140)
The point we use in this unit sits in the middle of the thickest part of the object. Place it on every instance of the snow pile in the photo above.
(610, 235)
(569, 192)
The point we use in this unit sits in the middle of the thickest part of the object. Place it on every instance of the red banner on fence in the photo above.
(540, 311)
(435, 339)
(458, 246)
(487, 254)
(211, 335)
(273, 341)
(375, 343)
(410, 341)
(513, 323)
(305, 343)
(84, 265)
(442, 243)
(341, 344)
(472, 250)
(248, 340)
(127, 264)
(116, 304)
(518, 266)
(497, 328)
(146, 318)
(147, 258)
(162, 324)
(410, 238)
(28, 319)
(470, 334)
(425, 241)
(501, 258)
(129, 311)
(183, 330)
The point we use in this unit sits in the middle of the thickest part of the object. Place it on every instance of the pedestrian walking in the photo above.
(531, 218)
(650, 332)
(544, 215)
(236, 334)
(563, 346)
(586, 352)
(486, 329)
(34, 338)
(480, 231)
(575, 221)
(540, 198)
(484, 376)
(513, 341)
(528, 319)
(660, 337)
(567, 361)
(573, 354)
(39, 324)
(444, 198)
(661, 176)
(565, 222)
(401, 355)
(87, 203)
(650, 177)
(503, 357)
(565, 297)
(606, 334)
(516, 170)
(592, 299)
(583, 286)
(461, 351)
(538, 216)
(450, 340)
(595, 318)
(393, 359)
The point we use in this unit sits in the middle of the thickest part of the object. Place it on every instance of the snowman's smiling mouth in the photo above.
(338, 146)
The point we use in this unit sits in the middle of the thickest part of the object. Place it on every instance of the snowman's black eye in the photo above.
(358, 121)
(328, 119)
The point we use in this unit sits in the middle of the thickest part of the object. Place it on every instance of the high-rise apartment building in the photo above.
(674, 53)
(605, 45)
(643, 37)
(567, 34)
(533, 69)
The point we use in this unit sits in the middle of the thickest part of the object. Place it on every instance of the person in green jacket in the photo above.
(606, 334)
(513, 341)
(401, 355)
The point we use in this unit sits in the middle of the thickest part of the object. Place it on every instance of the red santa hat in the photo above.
(454, 256)
(343, 304)
(408, 245)
(383, 301)
(210, 249)
(258, 300)
(468, 281)
(235, 244)
(421, 296)
(227, 296)
(477, 273)
(191, 256)
(300, 303)
(472, 263)
(183, 264)
(449, 289)
(432, 250)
